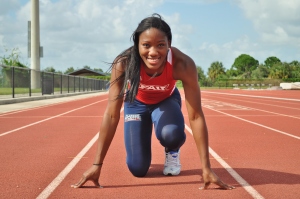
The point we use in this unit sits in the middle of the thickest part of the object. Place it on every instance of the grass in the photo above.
(8, 91)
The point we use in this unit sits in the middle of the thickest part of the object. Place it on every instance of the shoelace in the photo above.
(170, 160)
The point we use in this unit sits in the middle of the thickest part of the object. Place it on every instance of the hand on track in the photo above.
(210, 178)
(92, 174)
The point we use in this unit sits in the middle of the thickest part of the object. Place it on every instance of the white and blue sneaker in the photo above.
(172, 163)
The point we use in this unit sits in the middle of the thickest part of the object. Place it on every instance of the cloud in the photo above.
(75, 32)
(8, 6)
(277, 21)
(180, 31)
(194, 1)
(229, 51)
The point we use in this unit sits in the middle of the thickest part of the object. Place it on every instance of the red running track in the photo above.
(254, 145)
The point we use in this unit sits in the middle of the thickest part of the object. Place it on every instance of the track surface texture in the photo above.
(254, 140)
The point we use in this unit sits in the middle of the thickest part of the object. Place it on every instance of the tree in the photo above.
(216, 69)
(260, 72)
(270, 61)
(280, 71)
(244, 65)
(49, 69)
(13, 58)
(69, 70)
(201, 75)
(295, 69)
(231, 73)
(98, 70)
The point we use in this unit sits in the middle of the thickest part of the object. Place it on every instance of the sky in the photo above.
(76, 33)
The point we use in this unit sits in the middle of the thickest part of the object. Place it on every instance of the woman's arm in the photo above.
(108, 126)
(185, 70)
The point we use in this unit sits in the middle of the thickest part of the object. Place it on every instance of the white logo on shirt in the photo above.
(153, 87)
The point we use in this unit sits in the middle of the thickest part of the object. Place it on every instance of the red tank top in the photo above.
(153, 90)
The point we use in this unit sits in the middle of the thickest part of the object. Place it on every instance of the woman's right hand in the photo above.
(92, 174)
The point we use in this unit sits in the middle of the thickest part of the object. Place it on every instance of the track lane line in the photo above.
(32, 124)
(249, 108)
(255, 102)
(254, 96)
(61, 176)
(232, 172)
(257, 124)
(52, 103)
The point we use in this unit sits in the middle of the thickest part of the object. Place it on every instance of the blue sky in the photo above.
(91, 32)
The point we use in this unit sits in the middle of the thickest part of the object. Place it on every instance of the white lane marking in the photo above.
(232, 172)
(275, 113)
(53, 102)
(253, 102)
(254, 96)
(61, 176)
(223, 105)
(278, 131)
(205, 102)
(23, 127)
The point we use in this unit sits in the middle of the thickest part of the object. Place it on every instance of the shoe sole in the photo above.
(171, 174)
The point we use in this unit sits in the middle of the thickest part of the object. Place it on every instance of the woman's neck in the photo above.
(155, 73)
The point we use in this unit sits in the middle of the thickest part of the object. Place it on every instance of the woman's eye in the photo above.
(146, 45)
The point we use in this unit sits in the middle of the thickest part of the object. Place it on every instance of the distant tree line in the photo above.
(246, 67)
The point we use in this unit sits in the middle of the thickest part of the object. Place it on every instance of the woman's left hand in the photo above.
(211, 178)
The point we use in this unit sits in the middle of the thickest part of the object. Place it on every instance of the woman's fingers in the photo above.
(206, 185)
(221, 184)
(80, 183)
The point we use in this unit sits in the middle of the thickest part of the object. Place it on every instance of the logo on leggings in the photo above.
(133, 117)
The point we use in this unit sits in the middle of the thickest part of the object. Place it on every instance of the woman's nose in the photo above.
(153, 51)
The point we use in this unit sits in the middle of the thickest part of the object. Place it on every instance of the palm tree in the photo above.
(215, 69)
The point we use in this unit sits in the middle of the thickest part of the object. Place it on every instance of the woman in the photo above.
(146, 74)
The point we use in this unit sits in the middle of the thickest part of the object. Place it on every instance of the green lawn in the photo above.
(8, 91)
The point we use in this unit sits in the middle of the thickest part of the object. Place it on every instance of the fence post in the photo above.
(13, 81)
(29, 83)
(42, 83)
(61, 78)
(53, 82)
(68, 83)
(79, 84)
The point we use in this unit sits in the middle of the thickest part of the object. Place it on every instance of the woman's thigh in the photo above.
(137, 136)
(169, 122)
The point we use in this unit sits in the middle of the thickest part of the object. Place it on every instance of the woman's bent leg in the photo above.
(169, 123)
(137, 136)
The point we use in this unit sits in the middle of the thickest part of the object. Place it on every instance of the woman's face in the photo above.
(153, 49)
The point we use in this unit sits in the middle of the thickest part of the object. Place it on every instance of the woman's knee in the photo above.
(138, 170)
(172, 136)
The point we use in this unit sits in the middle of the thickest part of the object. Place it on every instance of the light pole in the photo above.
(35, 45)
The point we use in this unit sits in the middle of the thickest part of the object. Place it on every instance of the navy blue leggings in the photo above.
(169, 129)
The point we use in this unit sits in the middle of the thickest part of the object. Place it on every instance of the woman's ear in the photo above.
(169, 43)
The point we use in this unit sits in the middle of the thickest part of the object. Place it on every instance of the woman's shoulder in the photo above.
(182, 63)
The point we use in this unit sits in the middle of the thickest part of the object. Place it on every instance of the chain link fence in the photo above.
(23, 82)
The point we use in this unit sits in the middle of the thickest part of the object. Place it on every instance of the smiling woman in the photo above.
(146, 74)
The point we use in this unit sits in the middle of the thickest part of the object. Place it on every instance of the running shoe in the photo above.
(172, 163)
